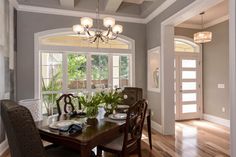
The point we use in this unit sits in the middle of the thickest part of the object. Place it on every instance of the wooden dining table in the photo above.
(101, 130)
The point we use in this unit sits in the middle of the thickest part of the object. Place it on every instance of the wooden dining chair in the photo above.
(23, 136)
(66, 103)
(130, 141)
(131, 96)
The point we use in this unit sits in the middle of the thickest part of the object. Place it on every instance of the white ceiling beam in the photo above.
(113, 5)
(136, 1)
(67, 3)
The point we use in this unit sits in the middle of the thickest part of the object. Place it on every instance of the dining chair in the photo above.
(66, 103)
(130, 141)
(132, 95)
(23, 137)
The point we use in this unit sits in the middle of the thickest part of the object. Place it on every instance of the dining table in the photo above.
(98, 131)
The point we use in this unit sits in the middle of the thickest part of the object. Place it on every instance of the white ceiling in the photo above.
(213, 14)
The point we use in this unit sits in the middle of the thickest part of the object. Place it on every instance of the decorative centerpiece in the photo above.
(91, 103)
(111, 98)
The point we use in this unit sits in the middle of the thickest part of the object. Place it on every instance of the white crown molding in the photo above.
(191, 26)
(207, 25)
(44, 10)
(217, 21)
(64, 12)
(217, 120)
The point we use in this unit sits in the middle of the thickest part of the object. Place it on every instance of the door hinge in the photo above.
(199, 86)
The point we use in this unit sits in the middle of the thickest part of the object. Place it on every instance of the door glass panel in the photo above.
(188, 74)
(187, 63)
(189, 108)
(189, 97)
(189, 85)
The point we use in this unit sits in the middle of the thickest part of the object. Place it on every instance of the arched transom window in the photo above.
(183, 45)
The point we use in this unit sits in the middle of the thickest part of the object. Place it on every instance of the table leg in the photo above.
(149, 129)
(85, 151)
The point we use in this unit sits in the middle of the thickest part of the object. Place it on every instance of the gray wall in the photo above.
(154, 40)
(30, 23)
(187, 32)
(215, 68)
(216, 71)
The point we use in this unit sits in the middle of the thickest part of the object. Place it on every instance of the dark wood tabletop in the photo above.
(100, 131)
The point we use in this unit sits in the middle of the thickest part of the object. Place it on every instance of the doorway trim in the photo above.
(167, 55)
(232, 77)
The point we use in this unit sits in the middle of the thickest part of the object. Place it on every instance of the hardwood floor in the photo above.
(192, 139)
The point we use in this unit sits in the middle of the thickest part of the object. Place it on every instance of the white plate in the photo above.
(64, 123)
(122, 106)
(118, 116)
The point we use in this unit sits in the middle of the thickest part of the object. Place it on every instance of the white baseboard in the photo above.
(217, 120)
(156, 127)
(3, 147)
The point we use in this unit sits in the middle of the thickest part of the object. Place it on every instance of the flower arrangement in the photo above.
(91, 103)
(111, 98)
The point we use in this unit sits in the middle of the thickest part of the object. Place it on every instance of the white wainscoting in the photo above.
(217, 120)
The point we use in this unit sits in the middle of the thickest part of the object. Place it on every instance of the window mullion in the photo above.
(65, 72)
(89, 69)
(110, 71)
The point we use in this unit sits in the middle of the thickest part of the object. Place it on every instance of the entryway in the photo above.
(188, 79)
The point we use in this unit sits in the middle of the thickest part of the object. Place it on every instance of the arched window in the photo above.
(68, 63)
(184, 45)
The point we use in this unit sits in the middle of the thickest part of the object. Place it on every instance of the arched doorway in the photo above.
(188, 79)
(68, 63)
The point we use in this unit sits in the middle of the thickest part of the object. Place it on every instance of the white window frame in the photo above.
(89, 51)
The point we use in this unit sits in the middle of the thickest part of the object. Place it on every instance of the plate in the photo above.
(122, 106)
(118, 116)
(64, 123)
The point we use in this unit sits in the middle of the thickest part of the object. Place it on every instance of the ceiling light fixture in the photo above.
(203, 36)
(96, 35)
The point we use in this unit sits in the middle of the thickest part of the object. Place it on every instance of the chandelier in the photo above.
(203, 36)
(96, 35)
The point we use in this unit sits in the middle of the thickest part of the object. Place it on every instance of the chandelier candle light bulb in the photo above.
(86, 22)
(117, 29)
(109, 22)
(78, 29)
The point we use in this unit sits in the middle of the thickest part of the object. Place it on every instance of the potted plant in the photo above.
(90, 103)
(111, 98)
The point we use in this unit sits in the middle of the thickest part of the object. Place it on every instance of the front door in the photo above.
(188, 95)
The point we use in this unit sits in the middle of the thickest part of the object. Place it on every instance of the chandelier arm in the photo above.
(88, 33)
(94, 40)
(113, 38)
(102, 39)
(109, 31)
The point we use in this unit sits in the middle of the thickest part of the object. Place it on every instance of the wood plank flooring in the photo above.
(192, 139)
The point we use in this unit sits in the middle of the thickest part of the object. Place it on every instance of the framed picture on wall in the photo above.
(153, 70)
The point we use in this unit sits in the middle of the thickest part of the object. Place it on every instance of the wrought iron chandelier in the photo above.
(96, 34)
(203, 36)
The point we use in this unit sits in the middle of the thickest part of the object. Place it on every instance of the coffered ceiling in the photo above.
(130, 8)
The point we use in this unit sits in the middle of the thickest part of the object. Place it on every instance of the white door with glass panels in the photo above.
(188, 79)
(188, 86)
